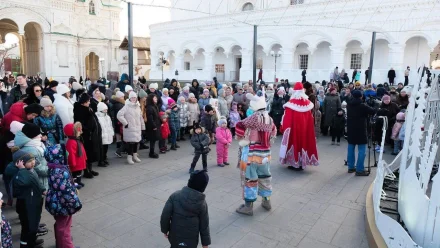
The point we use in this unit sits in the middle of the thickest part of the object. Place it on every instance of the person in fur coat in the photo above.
(131, 119)
(193, 111)
(107, 131)
(224, 139)
(184, 116)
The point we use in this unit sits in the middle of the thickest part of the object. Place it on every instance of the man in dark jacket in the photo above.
(195, 88)
(185, 215)
(357, 117)
(16, 92)
(125, 80)
(52, 90)
(391, 76)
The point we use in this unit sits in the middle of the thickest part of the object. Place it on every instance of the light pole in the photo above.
(275, 55)
(162, 62)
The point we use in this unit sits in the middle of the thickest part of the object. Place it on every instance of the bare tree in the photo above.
(4, 52)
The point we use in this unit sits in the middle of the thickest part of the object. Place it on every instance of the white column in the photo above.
(337, 56)
(246, 59)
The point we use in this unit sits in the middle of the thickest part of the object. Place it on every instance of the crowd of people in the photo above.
(52, 133)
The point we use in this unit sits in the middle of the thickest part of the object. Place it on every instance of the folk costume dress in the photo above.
(298, 146)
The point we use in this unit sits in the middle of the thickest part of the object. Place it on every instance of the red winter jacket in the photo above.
(16, 113)
(76, 163)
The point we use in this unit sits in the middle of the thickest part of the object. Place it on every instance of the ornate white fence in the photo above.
(420, 214)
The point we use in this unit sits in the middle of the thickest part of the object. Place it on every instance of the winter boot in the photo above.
(79, 181)
(266, 203)
(143, 146)
(176, 146)
(173, 147)
(130, 159)
(102, 164)
(246, 209)
(163, 150)
(153, 155)
(136, 158)
(333, 143)
(88, 174)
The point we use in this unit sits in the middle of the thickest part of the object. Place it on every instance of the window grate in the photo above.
(356, 61)
(303, 61)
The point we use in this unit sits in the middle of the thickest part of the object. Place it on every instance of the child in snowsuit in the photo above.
(200, 142)
(174, 123)
(234, 118)
(107, 131)
(183, 115)
(398, 144)
(61, 200)
(224, 140)
(185, 215)
(208, 123)
(77, 158)
(164, 132)
(338, 126)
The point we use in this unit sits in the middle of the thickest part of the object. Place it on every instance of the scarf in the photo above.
(78, 145)
(36, 143)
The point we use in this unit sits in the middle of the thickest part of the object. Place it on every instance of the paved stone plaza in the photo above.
(320, 207)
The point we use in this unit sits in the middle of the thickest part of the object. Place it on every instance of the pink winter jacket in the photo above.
(223, 135)
(396, 129)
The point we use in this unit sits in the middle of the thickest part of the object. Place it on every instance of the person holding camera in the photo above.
(357, 117)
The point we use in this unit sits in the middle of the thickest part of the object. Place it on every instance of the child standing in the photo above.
(200, 142)
(193, 111)
(338, 126)
(164, 131)
(183, 220)
(61, 200)
(174, 125)
(398, 143)
(107, 131)
(208, 123)
(183, 115)
(77, 158)
(224, 140)
(234, 118)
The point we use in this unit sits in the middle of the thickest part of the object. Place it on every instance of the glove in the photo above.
(126, 126)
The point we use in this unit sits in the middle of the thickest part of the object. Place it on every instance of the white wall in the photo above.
(322, 56)
(417, 52)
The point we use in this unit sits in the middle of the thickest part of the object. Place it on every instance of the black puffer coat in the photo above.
(185, 217)
(277, 109)
(92, 132)
(153, 119)
(357, 115)
(118, 104)
(195, 89)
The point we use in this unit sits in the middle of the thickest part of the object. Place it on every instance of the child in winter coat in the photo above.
(61, 200)
(208, 122)
(193, 111)
(224, 140)
(185, 215)
(183, 115)
(77, 157)
(200, 142)
(107, 131)
(50, 123)
(234, 118)
(5, 226)
(398, 143)
(164, 131)
(174, 123)
(337, 126)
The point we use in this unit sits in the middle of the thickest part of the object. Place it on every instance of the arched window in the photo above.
(92, 8)
(248, 7)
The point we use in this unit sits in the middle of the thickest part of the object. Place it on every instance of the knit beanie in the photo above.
(386, 97)
(153, 86)
(22, 155)
(128, 88)
(132, 94)
(164, 90)
(102, 106)
(208, 108)
(142, 93)
(120, 94)
(31, 130)
(63, 89)
(53, 84)
(191, 95)
(356, 94)
(172, 105)
(76, 86)
(222, 120)
(205, 90)
(45, 102)
(83, 98)
(198, 180)
(33, 108)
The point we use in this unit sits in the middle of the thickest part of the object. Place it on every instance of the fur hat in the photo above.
(142, 93)
(132, 94)
(45, 102)
(83, 98)
(22, 155)
(198, 180)
(33, 108)
(356, 94)
(102, 106)
(62, 89)
(153, 86)
(257, 102)
(208, 108)
(120, 94)
(128, 88)
(31, 130)
(76, 86)
(222, 120)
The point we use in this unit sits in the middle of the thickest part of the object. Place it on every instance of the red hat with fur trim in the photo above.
(299, 101)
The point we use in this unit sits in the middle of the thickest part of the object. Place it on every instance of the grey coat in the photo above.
(131, 115)
(330, 107)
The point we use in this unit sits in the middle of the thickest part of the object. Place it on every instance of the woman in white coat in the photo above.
(107, 131)
(64, 104)
(131, 119)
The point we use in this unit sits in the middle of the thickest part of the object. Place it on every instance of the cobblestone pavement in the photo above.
(321, 207)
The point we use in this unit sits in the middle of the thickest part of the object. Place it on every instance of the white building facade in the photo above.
(317, 35)
(63, 38)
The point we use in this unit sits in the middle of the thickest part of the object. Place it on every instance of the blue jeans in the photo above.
(397, 145)
(361, 157)
(174, 134)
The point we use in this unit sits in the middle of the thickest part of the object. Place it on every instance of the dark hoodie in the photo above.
(185, 217)
(123, 82)
(195, 88)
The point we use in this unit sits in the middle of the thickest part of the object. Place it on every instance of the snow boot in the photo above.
(266, 204)
(130, 159)
(136, 158)
(246, 209)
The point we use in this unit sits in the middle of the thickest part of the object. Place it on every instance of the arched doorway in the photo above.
(92, 66)
(417, 52)
(322, 56)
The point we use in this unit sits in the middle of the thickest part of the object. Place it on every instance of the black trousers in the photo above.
(196, 159)
(152, 144)
(161, 143)
(104, 152)
(406, 81)
(132, 148)
(27, 238)
(233, 131)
